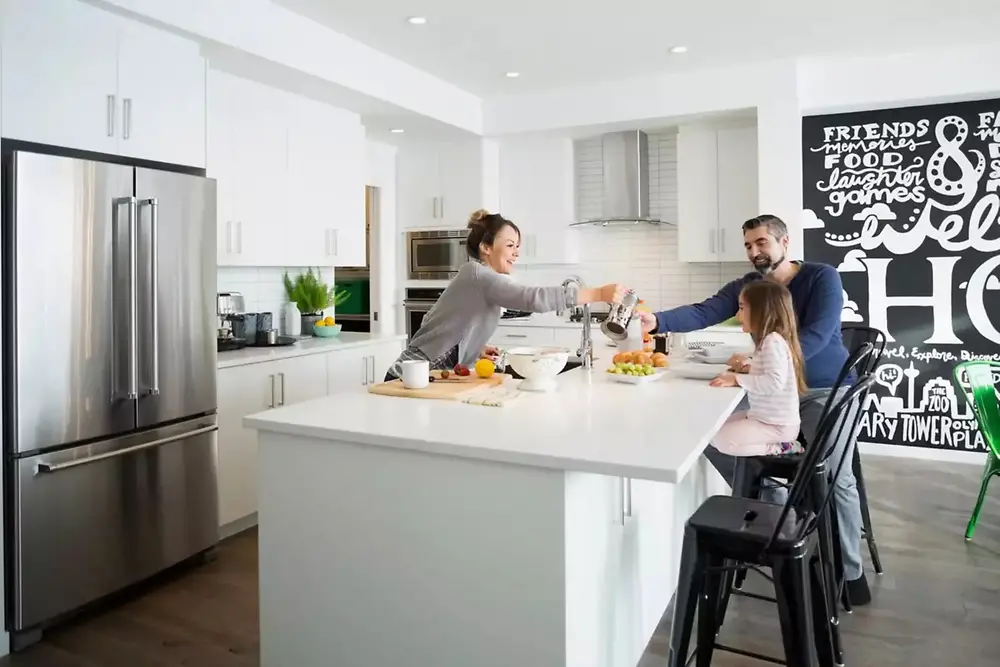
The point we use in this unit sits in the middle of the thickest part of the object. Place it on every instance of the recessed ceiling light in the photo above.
(396, 130)
(513, 75)
(417, 20)
(679, 49)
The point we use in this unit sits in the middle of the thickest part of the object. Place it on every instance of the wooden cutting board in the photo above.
(451, 389)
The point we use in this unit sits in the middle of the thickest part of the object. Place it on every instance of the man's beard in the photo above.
(764, 265)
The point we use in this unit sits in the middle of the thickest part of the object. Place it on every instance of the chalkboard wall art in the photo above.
(905, 202)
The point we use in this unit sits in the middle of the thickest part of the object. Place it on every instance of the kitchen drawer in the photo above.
(506, 337)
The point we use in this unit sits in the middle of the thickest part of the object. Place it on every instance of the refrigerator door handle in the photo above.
(133, 371)
(154, 280)
(54, 467)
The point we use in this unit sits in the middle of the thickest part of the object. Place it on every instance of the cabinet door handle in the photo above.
(711, 241)
(626, 499)
(441, 207)
(515, 335)
(434, 207)
(373, 368)
(364, 371)
(271, 404)
(281, 383)
(112, 109)
(333, 242)
(126, 117)
(239, 237)
(722, 241)
(326, 242)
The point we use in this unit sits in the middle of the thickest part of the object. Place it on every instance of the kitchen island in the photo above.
(397, 531)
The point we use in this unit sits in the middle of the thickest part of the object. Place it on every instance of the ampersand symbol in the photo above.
(967, 183)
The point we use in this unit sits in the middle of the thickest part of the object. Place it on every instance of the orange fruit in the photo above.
(485, 368)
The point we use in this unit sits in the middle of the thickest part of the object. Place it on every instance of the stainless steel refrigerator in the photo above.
(109, 361)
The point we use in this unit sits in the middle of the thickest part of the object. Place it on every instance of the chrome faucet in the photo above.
(566, 283)
(586, 351)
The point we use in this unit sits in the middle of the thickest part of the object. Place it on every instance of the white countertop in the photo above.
(346, 340)
(589, 423)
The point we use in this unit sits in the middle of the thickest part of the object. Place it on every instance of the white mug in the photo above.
(416, 373)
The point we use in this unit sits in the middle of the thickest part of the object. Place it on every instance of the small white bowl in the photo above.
(539, 366)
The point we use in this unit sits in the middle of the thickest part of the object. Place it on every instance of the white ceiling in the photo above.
(473, 44)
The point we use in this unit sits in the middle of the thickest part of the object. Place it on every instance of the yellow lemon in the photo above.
(329, 322)
(320, 323)
(485, 368)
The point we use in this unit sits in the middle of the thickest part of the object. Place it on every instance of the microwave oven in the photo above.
(435, 254)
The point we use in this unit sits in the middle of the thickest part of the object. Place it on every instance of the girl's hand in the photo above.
(739, 363)
(724, 380)
(490, 352)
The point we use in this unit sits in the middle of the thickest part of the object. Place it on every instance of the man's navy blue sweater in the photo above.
(818, 298)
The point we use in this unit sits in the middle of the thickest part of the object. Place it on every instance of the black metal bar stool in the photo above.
(784, 538)
(769, 469)
(854, 337)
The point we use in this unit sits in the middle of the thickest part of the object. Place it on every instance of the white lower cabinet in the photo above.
(246, 390)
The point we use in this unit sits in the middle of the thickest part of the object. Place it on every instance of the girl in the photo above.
(456, 329)
(774, 379)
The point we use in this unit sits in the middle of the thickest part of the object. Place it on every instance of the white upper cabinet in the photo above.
(300, 200)
(716, 191)
(438, 184)
(161, 83)
(537, 194)
(79, 77)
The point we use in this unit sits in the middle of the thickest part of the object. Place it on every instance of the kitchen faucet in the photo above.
(586, 351)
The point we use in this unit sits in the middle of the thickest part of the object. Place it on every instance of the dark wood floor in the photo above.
(938, 603)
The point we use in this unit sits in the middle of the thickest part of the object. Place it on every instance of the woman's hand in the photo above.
(613, 293)
(739, 363)
(490, 352)
(648, 321)
(725, 380)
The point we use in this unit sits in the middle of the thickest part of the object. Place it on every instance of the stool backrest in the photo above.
(829, 429)
(858, 360)
(983, 387)
(855, 335)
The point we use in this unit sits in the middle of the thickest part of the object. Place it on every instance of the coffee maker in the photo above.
(230, 311)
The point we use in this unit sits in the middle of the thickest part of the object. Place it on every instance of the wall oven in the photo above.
(435, 254)
(417, 302)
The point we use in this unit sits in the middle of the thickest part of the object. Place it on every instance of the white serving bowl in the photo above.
(539, 366)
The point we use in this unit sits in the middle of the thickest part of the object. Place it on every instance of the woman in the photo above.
(456, 329)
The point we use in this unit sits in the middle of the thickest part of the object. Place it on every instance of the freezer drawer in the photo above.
(92, 520)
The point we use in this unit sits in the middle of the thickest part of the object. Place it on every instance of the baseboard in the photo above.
(238, 526)
(922, 453)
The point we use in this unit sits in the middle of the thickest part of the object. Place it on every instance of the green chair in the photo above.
(987, 410)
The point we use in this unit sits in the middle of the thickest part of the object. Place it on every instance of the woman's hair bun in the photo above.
(478, 216)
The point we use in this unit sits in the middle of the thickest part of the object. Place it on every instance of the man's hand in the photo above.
(647, 320)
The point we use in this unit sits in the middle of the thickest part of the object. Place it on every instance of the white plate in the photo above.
(694, 371)
(634, 379)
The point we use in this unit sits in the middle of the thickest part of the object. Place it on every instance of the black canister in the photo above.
(263, 326)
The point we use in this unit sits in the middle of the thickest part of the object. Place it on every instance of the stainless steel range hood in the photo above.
(625, 193)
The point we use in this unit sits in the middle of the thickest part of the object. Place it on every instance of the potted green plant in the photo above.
(312, 296)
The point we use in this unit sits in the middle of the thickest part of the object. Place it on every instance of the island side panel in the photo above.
(379, 556)
(623, 545)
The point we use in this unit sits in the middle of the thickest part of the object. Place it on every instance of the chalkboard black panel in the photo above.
(905, 203)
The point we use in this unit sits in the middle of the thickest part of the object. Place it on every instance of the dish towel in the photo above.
(495, 396)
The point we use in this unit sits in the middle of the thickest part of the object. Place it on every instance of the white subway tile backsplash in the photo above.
(643, 257)
(262, 287)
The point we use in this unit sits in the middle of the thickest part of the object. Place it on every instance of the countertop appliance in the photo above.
(229, 307)
(417, 302)
(109, 389)
(435, 254)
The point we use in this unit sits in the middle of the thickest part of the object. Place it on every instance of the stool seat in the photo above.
(740, 527)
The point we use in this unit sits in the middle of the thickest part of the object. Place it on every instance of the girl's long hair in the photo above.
(771, 311)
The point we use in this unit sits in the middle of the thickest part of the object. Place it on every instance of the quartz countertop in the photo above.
(590, 423)
(304, 346)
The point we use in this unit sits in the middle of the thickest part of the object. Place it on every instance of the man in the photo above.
(817, 296)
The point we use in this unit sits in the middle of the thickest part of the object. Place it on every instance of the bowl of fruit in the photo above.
(326, 328)
(637, 367)
(539, 366)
